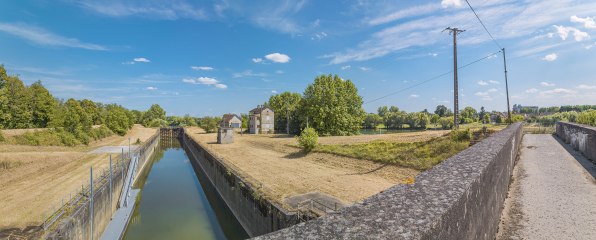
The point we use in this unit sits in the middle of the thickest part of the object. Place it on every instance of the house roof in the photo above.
(261, 109)
(229, 117)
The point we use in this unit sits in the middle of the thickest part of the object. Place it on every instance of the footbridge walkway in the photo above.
(552, 193)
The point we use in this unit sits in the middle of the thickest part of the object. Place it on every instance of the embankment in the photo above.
(460, 198)
(257, 214)
(76, 221)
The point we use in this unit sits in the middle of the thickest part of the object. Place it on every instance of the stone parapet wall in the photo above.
(461, 198)
(581, 137)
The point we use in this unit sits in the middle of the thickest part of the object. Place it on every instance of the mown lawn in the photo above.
(421, 155)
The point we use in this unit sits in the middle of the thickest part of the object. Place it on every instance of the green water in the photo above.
(178, 203)
(386, 131)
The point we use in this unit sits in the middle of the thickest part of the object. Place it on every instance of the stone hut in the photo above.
(261, 120)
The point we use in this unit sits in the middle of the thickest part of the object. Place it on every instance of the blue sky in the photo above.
(216, 57)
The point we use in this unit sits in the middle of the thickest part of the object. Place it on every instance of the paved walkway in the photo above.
(552, 194)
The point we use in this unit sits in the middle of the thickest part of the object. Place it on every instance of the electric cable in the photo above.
(491, 36)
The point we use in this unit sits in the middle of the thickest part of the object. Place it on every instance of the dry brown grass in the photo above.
(47, 174)
(284, 169)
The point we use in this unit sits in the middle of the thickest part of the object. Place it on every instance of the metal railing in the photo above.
(312, 209)
(548, 126)
(68, 201)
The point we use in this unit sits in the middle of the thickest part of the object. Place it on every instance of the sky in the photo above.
(208, 58)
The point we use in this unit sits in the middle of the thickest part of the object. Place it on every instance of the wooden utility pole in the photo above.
(506, 87)
(288, 118)
(455, 31)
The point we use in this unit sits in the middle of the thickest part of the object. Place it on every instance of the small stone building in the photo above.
(261, 120)
(225, 135)
(231, 120)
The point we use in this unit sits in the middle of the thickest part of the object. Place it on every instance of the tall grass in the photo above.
(420, 155)
(7, 164)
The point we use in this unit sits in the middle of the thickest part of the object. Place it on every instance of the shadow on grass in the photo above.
(295, 155)
(371, 171)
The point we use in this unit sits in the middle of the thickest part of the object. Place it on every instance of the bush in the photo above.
(2, 139)
(461, 135)
(587, 117)
(82, 137)
(446, 122)
(60, 137)
(308, 139)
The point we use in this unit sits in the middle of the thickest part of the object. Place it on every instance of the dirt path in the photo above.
(41, 176)
(552, 193)
(288, 172)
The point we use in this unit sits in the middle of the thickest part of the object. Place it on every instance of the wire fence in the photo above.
(69, 201)
(538, 126)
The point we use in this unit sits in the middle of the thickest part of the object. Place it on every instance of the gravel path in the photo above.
(552, 194)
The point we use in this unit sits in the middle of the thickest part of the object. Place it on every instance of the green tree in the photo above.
(42, 105)
(154, 113)
(18, 103)
(435, 118)
(395, 119)
(117, 121)
(91, 109)
(138, 116)
(482, 112)
(333, 106)
(446, 122)
(499, 119)
(394, 109)
(209, 124)
(382, 111)
(487, 118)
(417, 120)
(372, 120)
(4, 112)
(279, 103)
(441, 110)
(308, 139)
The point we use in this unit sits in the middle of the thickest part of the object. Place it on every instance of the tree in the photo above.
(308, 139)
(4, 113)
(42, 105)
(278, 102)
(382, 111)
(417, 120)
(446, 122)
(154, 113)
(435, 118)
(372, 120)
(333, 106)
(468, 112)
(441, 110)
(18, 103)
(499, 119)
(395, 119)
(76, 117)
(209, 124)
(91, 109)
(138, 116)
(487, 118)
(449, 113)
(117, 121)
(394, 109)
(245, 120)
(482, 112)
(517, 118)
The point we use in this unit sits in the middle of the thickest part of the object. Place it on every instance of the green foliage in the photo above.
(461, 135)
(308, 139)
(278, 102)
(333, 106)
(441, 110)
(382, 111)
(487, 118)
(446, 122)
(154, 113)
(587, 117)
(468, 112)
(417, 120)
(499, 119)
(187, 120)
(59, 137)
(209, 124)
(417, 155)
(517, 118)
(435, 118)
(2, 139)
(117, 121)
(372, 120)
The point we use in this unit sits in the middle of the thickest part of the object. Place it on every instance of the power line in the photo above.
(364, 73)
(491, 36)
(490, 55)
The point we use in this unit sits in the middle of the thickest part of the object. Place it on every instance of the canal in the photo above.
(178, 202)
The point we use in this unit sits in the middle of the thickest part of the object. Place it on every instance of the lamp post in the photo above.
(241, 122)
(128, 147)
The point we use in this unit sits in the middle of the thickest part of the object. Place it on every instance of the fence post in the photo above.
(111, 189)
(91, 197)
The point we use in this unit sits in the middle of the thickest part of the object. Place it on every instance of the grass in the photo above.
(7, 164)
(58, 137)
(420, 155)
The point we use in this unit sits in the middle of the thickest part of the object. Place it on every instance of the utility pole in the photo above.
(506, 87)
(288, 118)
(455, 31)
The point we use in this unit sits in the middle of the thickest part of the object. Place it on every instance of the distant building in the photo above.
(231, 120)
(519, 107)
(261, 120)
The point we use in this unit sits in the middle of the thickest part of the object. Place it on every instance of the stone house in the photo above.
(231, 120)
(261, 118)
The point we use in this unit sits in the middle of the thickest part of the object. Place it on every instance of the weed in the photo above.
(7, 164)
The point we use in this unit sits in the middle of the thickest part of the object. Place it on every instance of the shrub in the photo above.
(138, 142)
(2, 139)
(82, 137)
(587, 117)
(461, 135)
(308, 139)
(446, 122)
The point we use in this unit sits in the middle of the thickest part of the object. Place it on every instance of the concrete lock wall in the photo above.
(460, 198)
(581, 137)
(256, 214)
(77, 224)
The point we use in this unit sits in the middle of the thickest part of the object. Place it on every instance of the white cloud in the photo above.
(257, 60)
(588, 21)
(462, 95)
(221, 86)
(481, 93)
(324, 34)
(564, 33)
(492, 90)
(551, 57)
(273, 91)
(586, 87)
(449, 3)
(345, 67)
(486, 98)
(163, 93)
(141, 60)
(150, 88)
(410, 12)
(482, 83)
(414, 95)
(558, 90)
(589, 46)
(201, 80)
(279, 71)
(446, 101)
(202, 68)
(169, 10)
(531, 90)
(546, 84)
(175, 93)
(44, 37)
(515, 96)
(433, 54)
(495, 82)
(278, 58)
(266, 80)
(128, 63)
(365, 68)
(248, 73)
